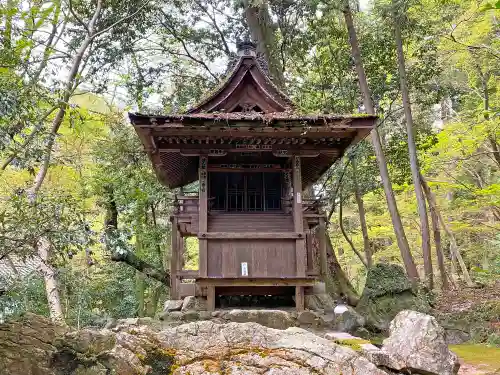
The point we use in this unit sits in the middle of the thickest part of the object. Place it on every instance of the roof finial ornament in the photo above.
(246, 47)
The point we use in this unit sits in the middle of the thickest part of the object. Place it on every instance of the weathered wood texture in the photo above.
(174, 260)
(264, 258)
(203, 213)
(298, 220)
(299, 298)
(250, 222)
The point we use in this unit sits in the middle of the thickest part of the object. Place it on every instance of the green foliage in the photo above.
(164, 57)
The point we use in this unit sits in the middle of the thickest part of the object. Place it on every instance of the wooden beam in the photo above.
(202, 214)
(211, 298)
(299, 298)
(315, 133)
(298, 220)
(214, 150)
(321, 233)
(241, 281)
(206, 152)
(250, 235)
(174, 261)
(188, 274)
(246, 170)
(344, 123)
(303, 153)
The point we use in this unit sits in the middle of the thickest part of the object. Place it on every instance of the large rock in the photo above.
(307, 318)
(417, 345)
(347, 319)
(27, 345)
(387, 292)
(173, 305)
(194, 303)
(249, 348)
(35, 346)
(318, 299)
(270, 318)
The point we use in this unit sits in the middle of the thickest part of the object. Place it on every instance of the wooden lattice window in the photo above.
(245, 191)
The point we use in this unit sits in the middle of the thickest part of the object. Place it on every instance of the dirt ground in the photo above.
(474, 359)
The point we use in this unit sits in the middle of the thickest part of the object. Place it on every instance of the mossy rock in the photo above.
(387, 292)
(383, 279)
(161, 361)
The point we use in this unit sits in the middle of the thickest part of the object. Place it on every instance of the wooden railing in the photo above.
(310, 206)
(186, 204)
(189, 204)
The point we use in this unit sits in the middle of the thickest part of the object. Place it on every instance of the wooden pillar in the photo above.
(203, 215)
(211, 298)
(309, 249)
(174, 261)
(182, 253)
(299, 298)
(322, 247)
(300, 248)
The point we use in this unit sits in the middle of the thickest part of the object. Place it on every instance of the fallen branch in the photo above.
(140, 265)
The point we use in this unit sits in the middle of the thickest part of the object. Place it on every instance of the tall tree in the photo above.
(97, 24)
(412, 148)
(263, 31)
(362, 214)
(404, 248)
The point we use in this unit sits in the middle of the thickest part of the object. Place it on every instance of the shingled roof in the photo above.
(246, 108)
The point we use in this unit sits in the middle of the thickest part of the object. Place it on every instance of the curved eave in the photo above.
(174, 169)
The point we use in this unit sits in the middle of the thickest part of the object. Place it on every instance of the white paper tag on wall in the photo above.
(299, 198)
(244, 269)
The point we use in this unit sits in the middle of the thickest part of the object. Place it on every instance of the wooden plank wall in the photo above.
(265, 258)
(250, 222)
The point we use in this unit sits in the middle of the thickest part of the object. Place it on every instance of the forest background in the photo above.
(78, 197)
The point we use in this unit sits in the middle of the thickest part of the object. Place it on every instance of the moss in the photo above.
(66, 361)
(354, 344)
(481, 322)
(387, 292)
(161, 361)
(480, 355)
(385, 279)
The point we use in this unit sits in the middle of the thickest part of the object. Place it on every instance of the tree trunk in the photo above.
(7, 32)
(140, 287)
(155, 297)
(349, 241)
(149, 270)
(262, 30)
(437, 241)
(122, 255)
(486, 105)
(341, 284)
(453, 243)
(51, 284)
(43, 247)
(362, 216)
(412, 149)
(64, 102)
(404, 248)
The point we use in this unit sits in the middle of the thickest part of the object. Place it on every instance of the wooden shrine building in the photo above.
(253, 156)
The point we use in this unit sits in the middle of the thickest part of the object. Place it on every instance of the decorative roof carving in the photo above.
(246, 82)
